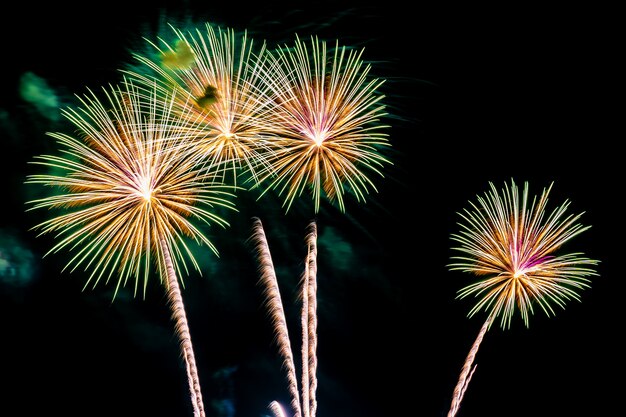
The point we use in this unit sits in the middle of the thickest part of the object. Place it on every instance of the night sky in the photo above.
(474, 95)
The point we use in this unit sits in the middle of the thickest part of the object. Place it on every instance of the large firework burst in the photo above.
(126, 181)
(327, 112)
(510, 242)
(221, 71)
(130, 191)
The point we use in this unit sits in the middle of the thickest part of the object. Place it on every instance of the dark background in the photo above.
(474, 95)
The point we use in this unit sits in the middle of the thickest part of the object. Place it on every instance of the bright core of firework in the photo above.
(319, 138)
(511, 243)
(145, 190)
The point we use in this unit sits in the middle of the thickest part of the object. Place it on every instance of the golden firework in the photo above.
(221, 71)
(126, 181)
(510, 242)
(327, 115)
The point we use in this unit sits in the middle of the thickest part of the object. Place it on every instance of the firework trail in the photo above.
(277, 409)
(309, 290)
(327, 116)
(467, 372)
(510, 243)
(274, 305)
(129, 192)
(308, 322)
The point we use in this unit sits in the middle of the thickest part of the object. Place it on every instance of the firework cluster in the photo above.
(200, 115)
(205, 113)
(300, 118)
(198, 118)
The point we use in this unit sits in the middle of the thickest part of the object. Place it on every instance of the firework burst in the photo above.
(126, 181)
(327, 113)
(221, 71)
(129, 192)
(511, 242)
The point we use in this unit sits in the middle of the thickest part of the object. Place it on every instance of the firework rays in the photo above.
(221, 71)
(327, 113)
(511, 242)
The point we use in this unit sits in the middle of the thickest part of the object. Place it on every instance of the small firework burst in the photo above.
(511, 243)
(126, 182)
(327, 113)
(221, 71)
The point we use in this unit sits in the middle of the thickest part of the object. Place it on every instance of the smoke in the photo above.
(17, 262)
(36, 91)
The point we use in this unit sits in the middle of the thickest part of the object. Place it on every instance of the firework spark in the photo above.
(129, 193)
(221, 71)
(308, 320)
(327, 112)
(511, 243)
